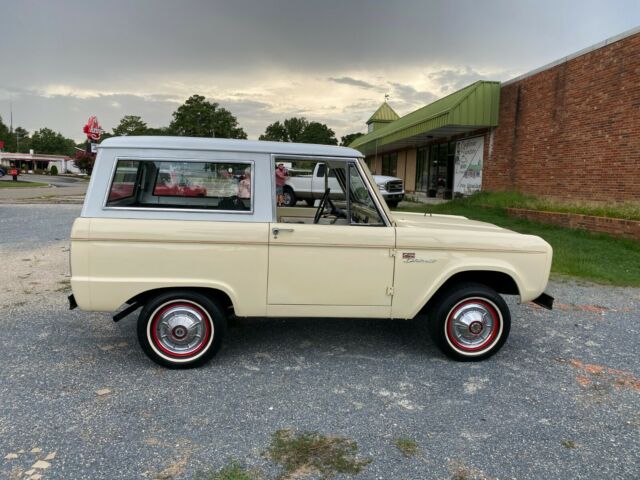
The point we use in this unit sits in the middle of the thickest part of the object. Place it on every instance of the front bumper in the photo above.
(393, 196)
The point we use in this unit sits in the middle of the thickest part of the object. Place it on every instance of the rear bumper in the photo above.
(545, 301)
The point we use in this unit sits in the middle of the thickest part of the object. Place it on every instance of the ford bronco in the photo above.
(188, 230)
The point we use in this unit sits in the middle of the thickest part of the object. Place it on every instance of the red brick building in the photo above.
(570, 130)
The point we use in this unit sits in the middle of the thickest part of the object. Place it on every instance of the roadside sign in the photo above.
(93, 129)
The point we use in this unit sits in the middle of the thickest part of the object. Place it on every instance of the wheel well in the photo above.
(499, 281)
(218, 295)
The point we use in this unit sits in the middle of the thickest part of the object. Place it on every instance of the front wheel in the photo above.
(469, 322)
(181, 329)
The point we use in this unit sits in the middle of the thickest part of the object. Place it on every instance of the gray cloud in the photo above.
(408, 97)
(147, 56)
(354, 82)
(451, 80)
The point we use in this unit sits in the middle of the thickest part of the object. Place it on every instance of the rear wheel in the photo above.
(310, 202)
(181, 329)
(392, 203)
(469, 322)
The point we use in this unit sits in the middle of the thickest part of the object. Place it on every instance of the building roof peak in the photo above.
(384, 113)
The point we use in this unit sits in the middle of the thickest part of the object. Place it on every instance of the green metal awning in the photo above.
(471, 108)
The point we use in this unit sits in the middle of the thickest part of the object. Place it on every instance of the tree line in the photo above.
(197, 117)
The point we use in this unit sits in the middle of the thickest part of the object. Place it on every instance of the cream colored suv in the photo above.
(188, 229)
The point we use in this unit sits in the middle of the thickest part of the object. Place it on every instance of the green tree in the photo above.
(295, 128)
(318, 133)
(130, 125)
(159, 131)
(290, 130)
(299, 130)
(5, 135)
(349, 138)
(47, 141)
(198, 117)
(276, 132)
(20, 141)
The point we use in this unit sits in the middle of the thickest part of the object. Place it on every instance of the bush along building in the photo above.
(569, 130)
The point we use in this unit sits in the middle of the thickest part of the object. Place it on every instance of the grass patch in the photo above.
(407, 446)
(19, 184)
(626, 210)
(569, 444)
(232, 471)
(592, 256)
(310, 453)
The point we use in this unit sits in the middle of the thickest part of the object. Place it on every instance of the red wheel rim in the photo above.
(180, 329)
(473, 325)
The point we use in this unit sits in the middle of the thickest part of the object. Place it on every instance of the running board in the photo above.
(130, 309)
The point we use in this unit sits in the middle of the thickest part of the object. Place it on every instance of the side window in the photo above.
(124, 180)
(389, 164)
(182, 185)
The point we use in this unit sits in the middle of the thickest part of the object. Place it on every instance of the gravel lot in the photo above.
(561, 400)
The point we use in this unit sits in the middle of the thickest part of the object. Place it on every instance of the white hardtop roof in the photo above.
(225, 144)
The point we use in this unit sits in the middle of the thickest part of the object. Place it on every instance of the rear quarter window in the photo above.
(184, 185)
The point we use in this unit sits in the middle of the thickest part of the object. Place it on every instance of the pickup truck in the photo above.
(190, 259)
(311, 186)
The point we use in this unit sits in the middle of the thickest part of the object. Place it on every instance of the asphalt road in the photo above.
(57, 181)
(560, 401)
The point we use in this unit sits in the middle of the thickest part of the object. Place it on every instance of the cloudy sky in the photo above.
(265, 60)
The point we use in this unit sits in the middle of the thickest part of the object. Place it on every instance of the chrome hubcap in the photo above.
(472, 325)
(181, 329)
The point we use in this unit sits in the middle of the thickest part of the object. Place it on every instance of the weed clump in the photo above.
(407, 446)
(310, 452)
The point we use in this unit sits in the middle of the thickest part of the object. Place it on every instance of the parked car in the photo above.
(311, 186)
(190, 262)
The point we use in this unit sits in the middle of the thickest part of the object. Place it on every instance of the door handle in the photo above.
(276, 231)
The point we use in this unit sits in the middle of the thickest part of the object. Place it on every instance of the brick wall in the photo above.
(613, 226)
(572, 131)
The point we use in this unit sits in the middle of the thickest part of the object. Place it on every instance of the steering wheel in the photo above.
(338, 212)
(321, 207)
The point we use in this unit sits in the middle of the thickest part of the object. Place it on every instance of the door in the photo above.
(330, 265)
(345, 259)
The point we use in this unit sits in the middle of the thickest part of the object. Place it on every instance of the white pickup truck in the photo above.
(311, 186)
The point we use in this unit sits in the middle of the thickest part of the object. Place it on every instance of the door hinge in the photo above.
(392, 252)
(390, 291)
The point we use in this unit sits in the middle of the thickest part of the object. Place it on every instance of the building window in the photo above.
(390, 164)
(422, 170)
(182, 185)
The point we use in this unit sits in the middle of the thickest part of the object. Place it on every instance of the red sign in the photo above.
(93, 129)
